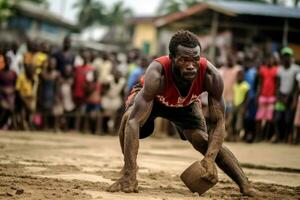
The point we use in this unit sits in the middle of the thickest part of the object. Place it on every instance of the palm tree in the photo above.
(118, 14)
(116, 19)
(90, 12)
(190, 3)
(168, 7)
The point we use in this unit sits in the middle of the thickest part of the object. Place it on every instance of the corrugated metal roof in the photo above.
(40, 12)
(251, 8)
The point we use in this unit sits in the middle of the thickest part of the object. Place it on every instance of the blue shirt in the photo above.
(134, 77)
(250, 76)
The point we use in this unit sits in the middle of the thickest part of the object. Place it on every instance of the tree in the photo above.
(7, 7)
(118, 14)
(90, 12)
(168, 7)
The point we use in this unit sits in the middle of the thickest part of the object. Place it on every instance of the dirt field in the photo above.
(73, 166)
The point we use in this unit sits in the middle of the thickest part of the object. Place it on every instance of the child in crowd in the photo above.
(112, 99)
(79, 91)
(26, 86)
(251, 79)
(266, 94)
(93, 100)
(49, 102)
(240, 96)
(66, 84)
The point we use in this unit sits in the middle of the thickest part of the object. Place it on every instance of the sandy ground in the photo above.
(74, 166)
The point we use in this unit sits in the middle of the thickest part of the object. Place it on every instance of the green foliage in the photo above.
(7, 7)
(94, 12)
(118, 14)
(90, 12)
(168, 7)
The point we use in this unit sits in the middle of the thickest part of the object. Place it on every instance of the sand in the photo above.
(72, 166)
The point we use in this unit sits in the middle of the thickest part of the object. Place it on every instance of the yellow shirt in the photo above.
(25, 87)
(239, 92)
(39, 61)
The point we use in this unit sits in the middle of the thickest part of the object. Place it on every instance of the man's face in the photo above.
(187, 62)
(286, 60)
(67, 43)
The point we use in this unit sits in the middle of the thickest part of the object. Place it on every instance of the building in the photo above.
(145, 34)
(220, 24)
(36, 22)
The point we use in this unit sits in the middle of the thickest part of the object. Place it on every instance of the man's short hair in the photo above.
(183, 38)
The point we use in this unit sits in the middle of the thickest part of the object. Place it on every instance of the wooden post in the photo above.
(214, 30)
(285, 33)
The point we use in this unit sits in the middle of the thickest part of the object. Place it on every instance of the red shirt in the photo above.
(268, 75)
(170, 96)
(80, 77)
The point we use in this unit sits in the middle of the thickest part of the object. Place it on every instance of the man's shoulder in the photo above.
(296, 67)
(213, 81)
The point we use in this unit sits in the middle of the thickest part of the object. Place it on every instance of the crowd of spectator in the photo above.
(47, 88)
(261, 93)
(44, 87)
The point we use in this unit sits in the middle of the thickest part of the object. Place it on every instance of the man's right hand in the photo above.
(127, 183)
(211, 171)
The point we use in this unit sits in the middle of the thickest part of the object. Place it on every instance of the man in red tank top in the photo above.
(170, 89)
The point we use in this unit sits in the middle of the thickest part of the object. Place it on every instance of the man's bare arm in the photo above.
(140, 112)
(214, 86)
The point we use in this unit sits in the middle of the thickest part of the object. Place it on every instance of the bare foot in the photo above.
(249, 191)
(126, 184)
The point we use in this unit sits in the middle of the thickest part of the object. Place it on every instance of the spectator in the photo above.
(283, 110)
(251, 79)
(112, 99)
(240, 100)
(48, 91)
(104, 69)
(137, 73)
(79, 90)
(229, 74)
(26, 86)
(65, 57)
(296, 133)
(66, 83)
(266, 97)
(40, 58)
(93, 100)
(7, 91)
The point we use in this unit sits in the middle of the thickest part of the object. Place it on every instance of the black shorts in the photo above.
(184, 118)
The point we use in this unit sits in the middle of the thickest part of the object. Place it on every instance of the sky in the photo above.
(139, 7)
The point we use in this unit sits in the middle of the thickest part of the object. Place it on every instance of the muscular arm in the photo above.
(214, 87)
(140, 112)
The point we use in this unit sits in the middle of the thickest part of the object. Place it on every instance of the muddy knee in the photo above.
(198, 139)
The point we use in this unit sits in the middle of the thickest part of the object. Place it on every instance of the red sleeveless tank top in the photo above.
(171, 96)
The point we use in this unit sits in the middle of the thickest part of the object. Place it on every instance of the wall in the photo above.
(145, 33)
